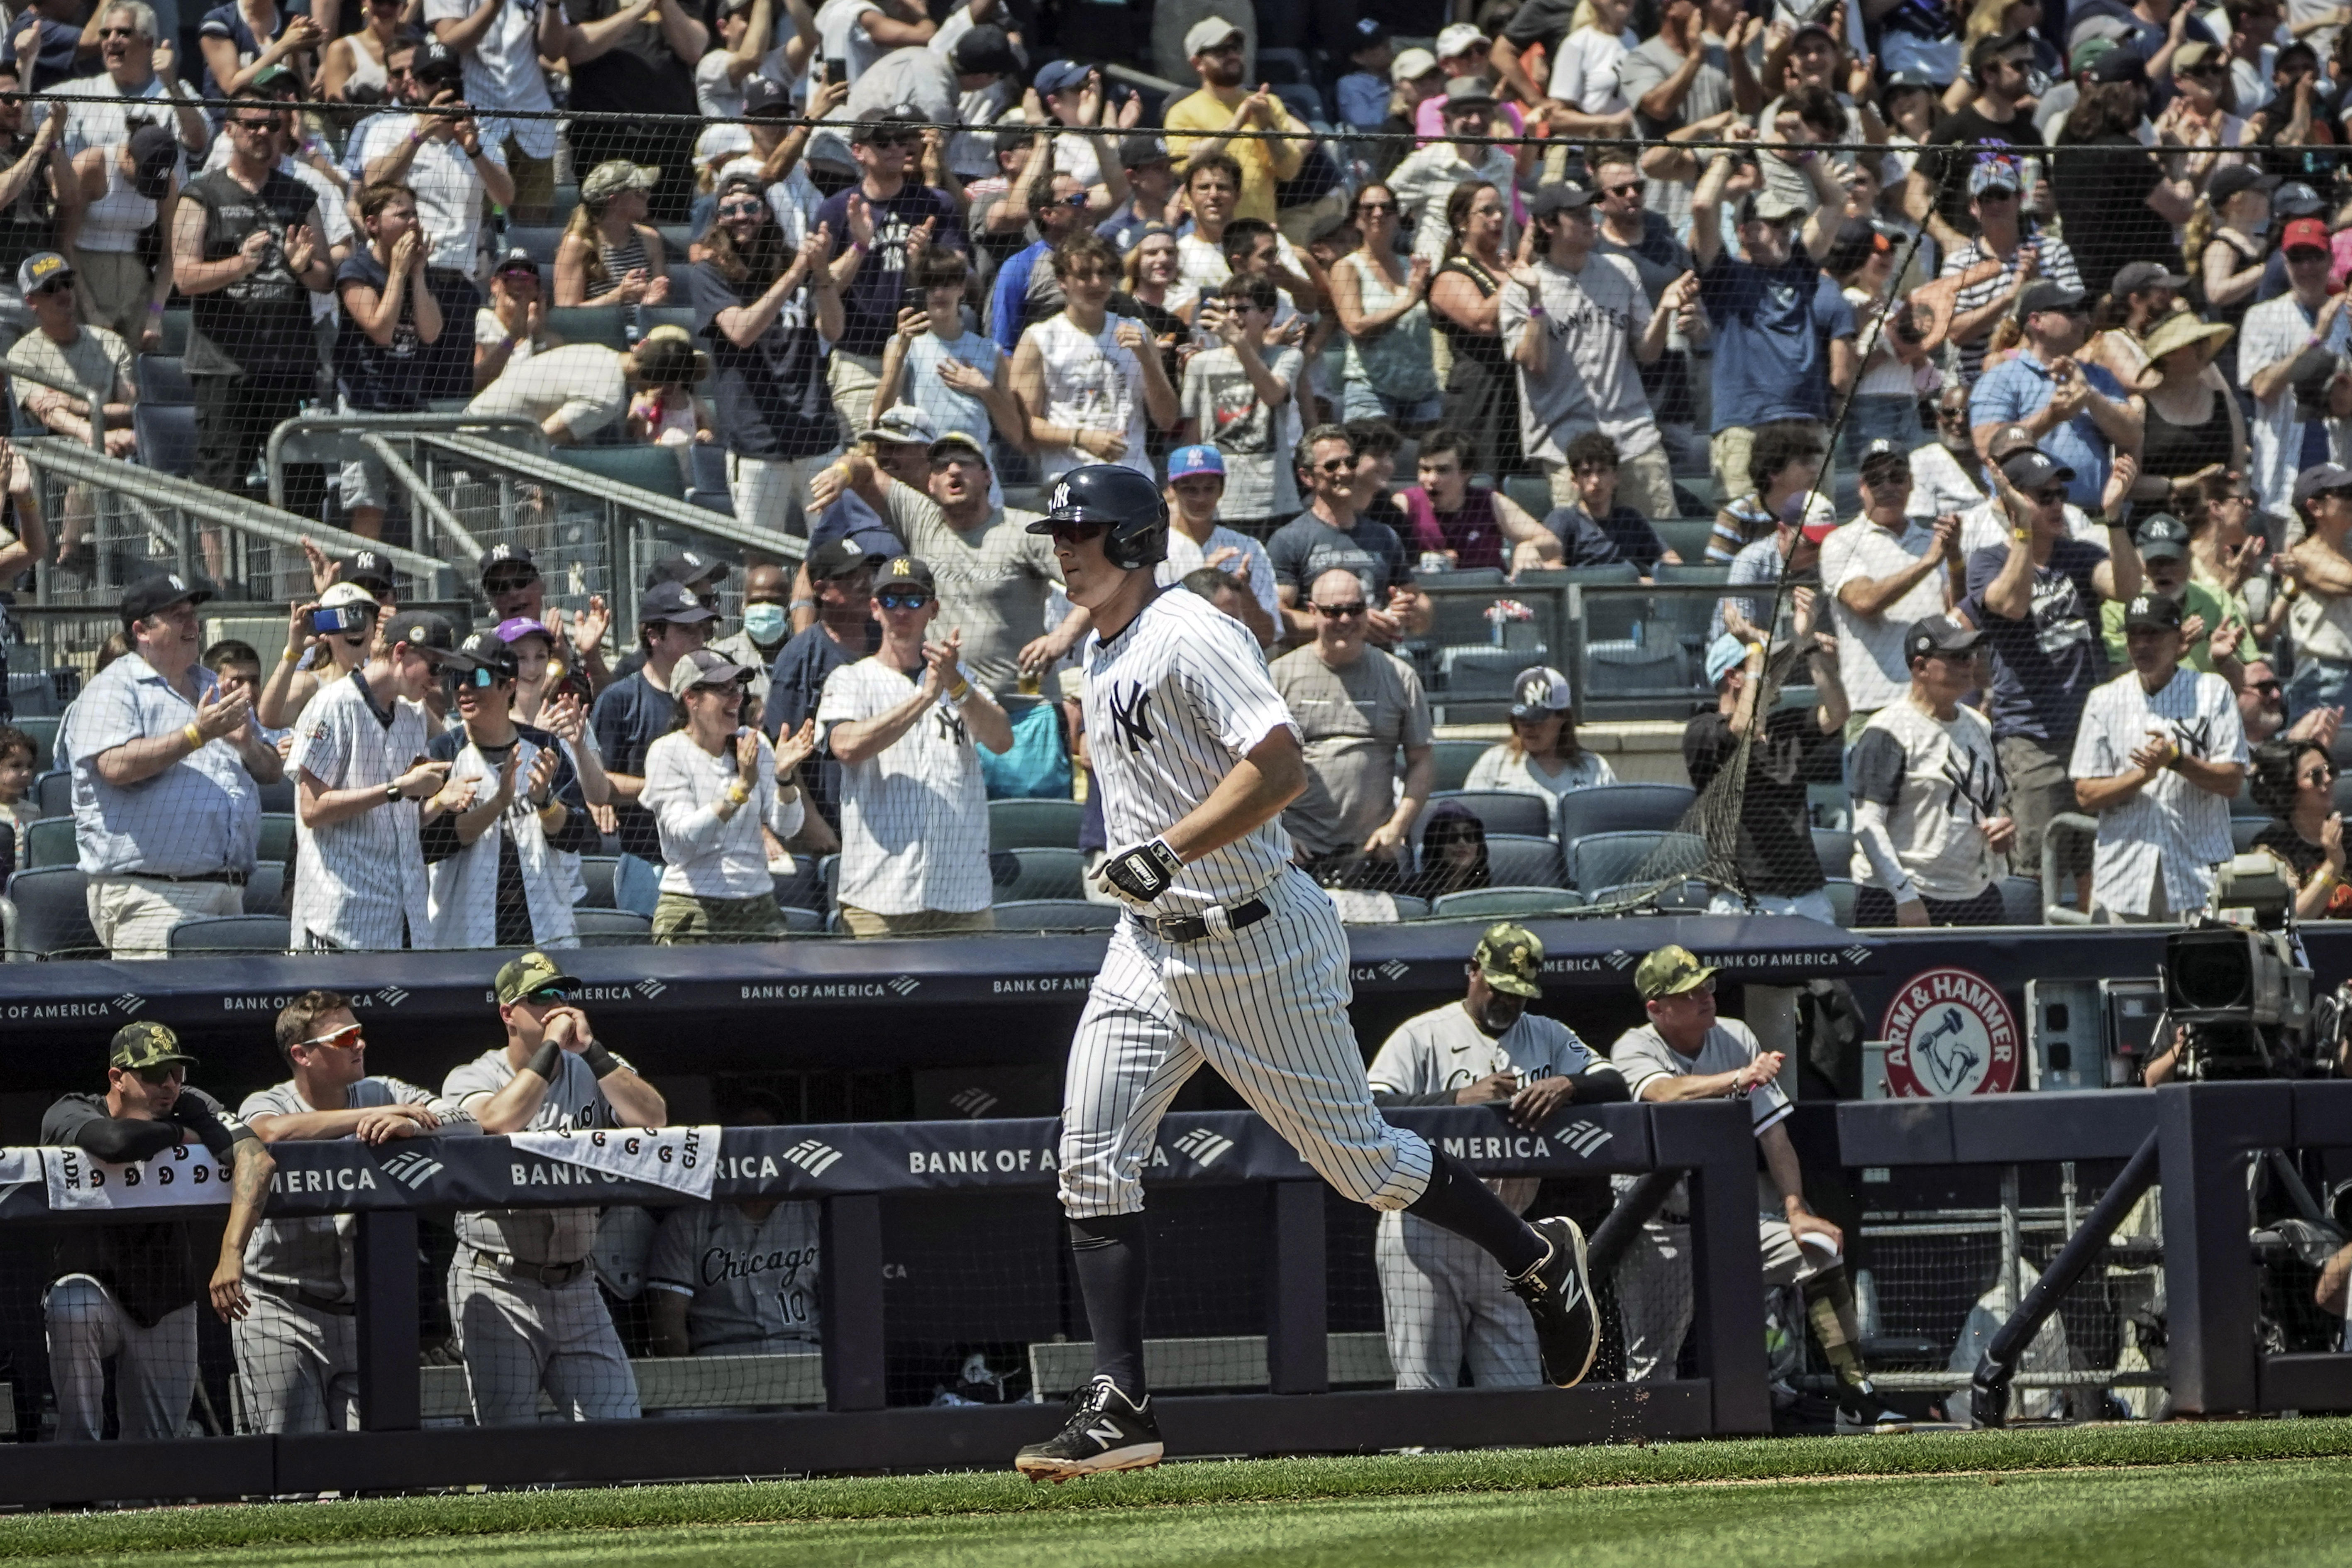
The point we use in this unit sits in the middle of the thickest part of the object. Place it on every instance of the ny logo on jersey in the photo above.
(951, 725)
(2196, 736)
(1975, 784)
(1130, 711)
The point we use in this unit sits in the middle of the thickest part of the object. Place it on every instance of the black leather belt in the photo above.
(313, 1300)
(1193, 927)
(545, 1273)
(233, 879)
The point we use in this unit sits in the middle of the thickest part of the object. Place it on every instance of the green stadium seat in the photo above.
(651, 469)
(1455, 759)
(43, 732)
(1487, 902)
(277, 837)
(1035, 872)
(1033, 824)
(605, 324)
(50, 842)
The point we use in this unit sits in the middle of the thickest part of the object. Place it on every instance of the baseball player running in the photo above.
(1230, 956)
(1439, 1294)
(298, 1351)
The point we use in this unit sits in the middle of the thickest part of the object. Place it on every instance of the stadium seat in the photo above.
(1612, 860)
(652, 316)
(1834, 849)
(1829, 805)
(167, 436)
(1522, 860)
(1500, 811)
(651, 469)
(1686, 536)
(800, 888)
(1056, 914)
(2245, 830)
(42, 731)
(1455, 760)
(541, 242)
(163, 378)
(47, 915)
(1621, 808)
(1505, 901)
(278, 797)
(559, 212)
(596, 872)
(1468, 577)
(611, 928)
(50, 842)
(177, 322)
(1026, 876)
(605, 324)
(1033, 824)
(1670, 571)
(8, 844)
(231, 933)
(799, 921)
(1841, 890)
(707, 484)
(277, 837)
(53, 794)
(677, 238)
(2021, 902)
(828, 876)
(264, 891)
(1480, 672)
(1532, 491)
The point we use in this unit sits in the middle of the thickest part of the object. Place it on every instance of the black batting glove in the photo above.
(1143, 873)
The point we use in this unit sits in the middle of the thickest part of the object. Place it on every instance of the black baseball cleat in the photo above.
(1559, 1299)
(1106, 1431)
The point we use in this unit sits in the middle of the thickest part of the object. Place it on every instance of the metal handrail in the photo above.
(432, 506)
(221, 509)
(381, 424)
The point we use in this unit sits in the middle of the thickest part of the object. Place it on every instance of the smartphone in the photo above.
(836, 71)
(342, 618)
(916, 298)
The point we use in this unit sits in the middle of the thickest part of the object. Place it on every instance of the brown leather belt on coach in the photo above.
(233, 879)
(542, 1273)
(1193, 927)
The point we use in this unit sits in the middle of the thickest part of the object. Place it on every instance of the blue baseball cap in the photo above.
(1726, 654)
(1186, 461)
(1061, 76)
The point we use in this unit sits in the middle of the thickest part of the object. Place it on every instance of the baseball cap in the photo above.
(1412, 63)
(1884, 453)
(2303, 233)
(985, 48)
(1462, 91)
(2141, 275)
(904, 423)
(518, 978)
(2317, 479)
(2162, 537)
(370, 570)
(1770, 206)
(146, 1045)
(765, 95)
(514, 558)
(1186, 461)
(1724, 655)
(1061, 76)
(2088, 53)
(2119, 65)
(743, 176)
(1136, 151)
(898, 123)
(1562, 197)
(905, 571)
(518, 260)
(2008, 442)
(704, 668)
(44, 268)
(1670, 971)
(686, 566)
(1939, 634)
(1540, 689)
(2030, 470)
(154, 153)
(487, 650)
(2228, 181)
(2152, 612)
(514, 629)
(1995, 172)
(1511, 959)
(673, 603)
(609, 179)
(436, 62)
(958, 441)
(429, 632)
(2295, 199)
(149, 595)
(1208, 33)
(1459, 38)
(835, 558)
(2048, 295)
(340, 594)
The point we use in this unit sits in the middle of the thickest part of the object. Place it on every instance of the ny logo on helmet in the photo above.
(1062, 495)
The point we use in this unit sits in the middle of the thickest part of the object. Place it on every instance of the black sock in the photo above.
(1459, 1202)
(1110, 1254)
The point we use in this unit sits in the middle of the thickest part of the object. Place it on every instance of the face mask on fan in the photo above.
(766, 622)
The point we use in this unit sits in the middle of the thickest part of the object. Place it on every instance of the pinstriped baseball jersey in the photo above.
(914, 816)
(1172, 704)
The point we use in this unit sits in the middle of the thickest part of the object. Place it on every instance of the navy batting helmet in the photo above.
(1126, 500)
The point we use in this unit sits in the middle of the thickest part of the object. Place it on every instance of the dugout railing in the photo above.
(867, 1180)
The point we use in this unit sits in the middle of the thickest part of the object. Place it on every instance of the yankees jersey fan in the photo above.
(360, 883)
(469, 886)
(311, 1257)
(574, 1102)
(1643, 1055)
(1173, 702)
(752, 1284)
(1923, 790)
(1446, 1049)
(914, 816)
(2170, 833)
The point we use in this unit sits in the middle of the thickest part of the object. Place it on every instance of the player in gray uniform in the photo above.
(1686, 1052)
(297, 1350)
(737, 1277)
(1229, 955)
(1440, 1294)
(521, 1292)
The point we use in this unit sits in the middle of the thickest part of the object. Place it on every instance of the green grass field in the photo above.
(2237, 1493)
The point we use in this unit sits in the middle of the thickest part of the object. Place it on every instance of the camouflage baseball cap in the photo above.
(146, 1045)
(1669, 972)
(1511, 959)
(531, 972)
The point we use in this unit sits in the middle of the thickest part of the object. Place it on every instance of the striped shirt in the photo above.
(1172, 704)
(1187, 555)
(2056, 265)
(708, 857)
(2170, 833)
(314, 1253)
(359, 882)
(1923, 790)
(914, 816)
(201, 814)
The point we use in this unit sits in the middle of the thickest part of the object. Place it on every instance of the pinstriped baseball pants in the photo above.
(1266, 1007)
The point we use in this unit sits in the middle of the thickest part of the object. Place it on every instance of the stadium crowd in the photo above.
(2003, 344)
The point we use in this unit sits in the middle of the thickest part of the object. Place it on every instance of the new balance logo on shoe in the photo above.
(1105, 1432)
